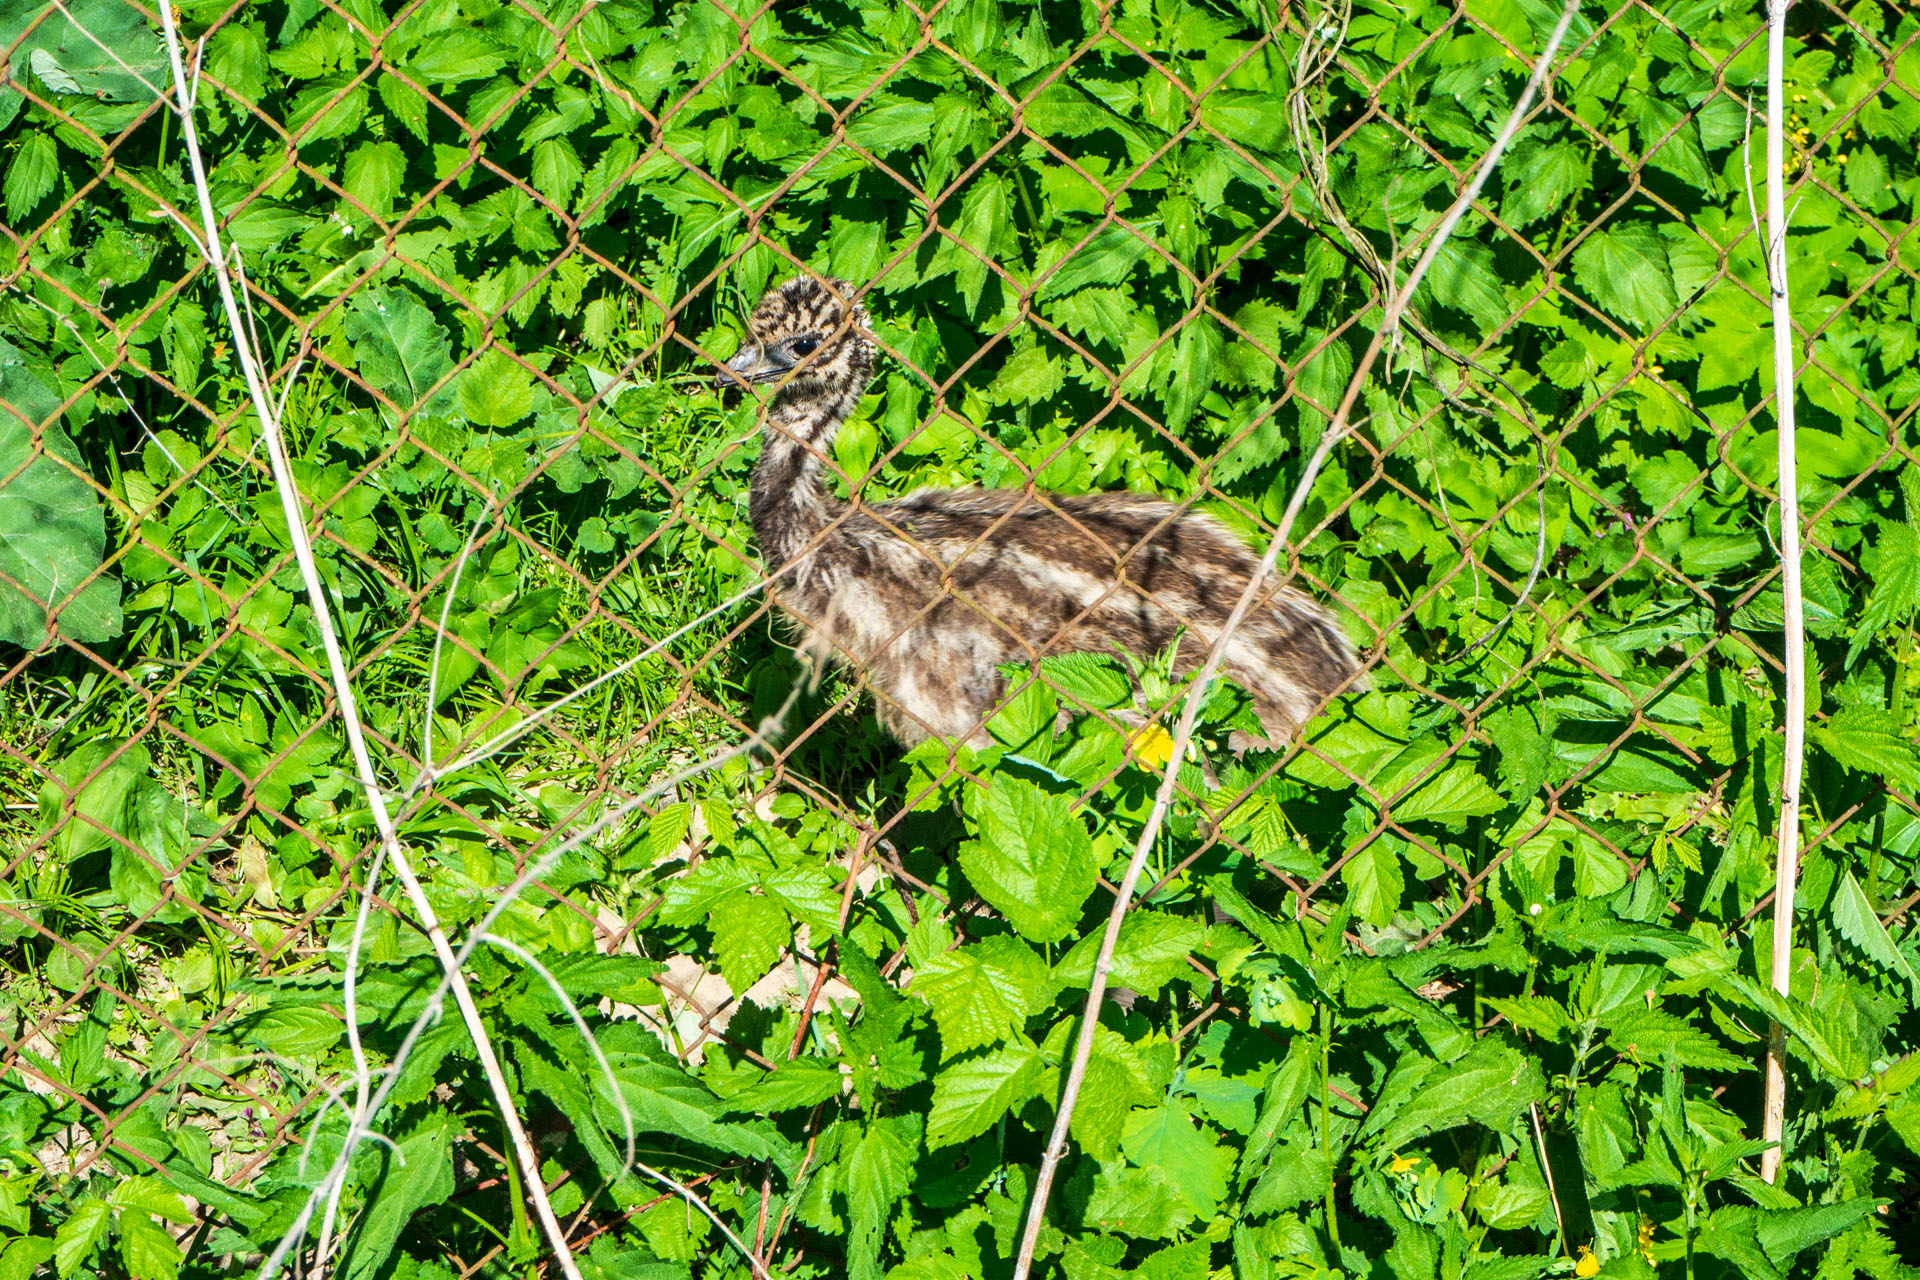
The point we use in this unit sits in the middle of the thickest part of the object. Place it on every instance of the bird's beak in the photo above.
(752, 365)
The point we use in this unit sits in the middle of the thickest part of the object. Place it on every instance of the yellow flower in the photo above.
(1588, 1264)
(1152, 747)
(1403, 1163)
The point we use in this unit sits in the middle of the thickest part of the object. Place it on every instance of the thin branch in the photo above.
(1395, 307)
(342, 685)
(1786, 866)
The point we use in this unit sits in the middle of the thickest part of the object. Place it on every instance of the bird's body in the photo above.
(931, 593)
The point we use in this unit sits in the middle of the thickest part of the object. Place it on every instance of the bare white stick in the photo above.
(1786, 865)
(522, 1147)
(430, 1012)
(1393, 309)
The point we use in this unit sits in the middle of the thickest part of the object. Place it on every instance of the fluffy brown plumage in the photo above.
(930, 593)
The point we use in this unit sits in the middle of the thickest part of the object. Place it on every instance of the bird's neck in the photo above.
(789, 501)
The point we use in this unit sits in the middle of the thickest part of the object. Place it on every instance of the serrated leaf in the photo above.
(982, 993)
(496, 390)
(31, 174)
(1151, 951)
(1033, 861)
(970, 1096)
(147, 1250)
(81, 1234)
(1855, 918)
(416, 1172)
(1166, 1138)
(1624, 268)
(1870, 740)
(878, 1168)
(1896, 587)
(24, 1257)
(1454, 795)
(149, 1195)
(373, 175)
(1374, 882)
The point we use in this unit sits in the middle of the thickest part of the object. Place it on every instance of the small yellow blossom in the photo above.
(1403, 1163)
(1588, 1264)
(1152, 747)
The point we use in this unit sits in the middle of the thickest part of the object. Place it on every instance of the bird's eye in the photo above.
(805, 346)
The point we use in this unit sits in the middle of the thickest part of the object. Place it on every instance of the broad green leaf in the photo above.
(1896, 587)
(877, 1174)
(1858, 923)
(1152, 950)
(970, 1096)
(374, 171)
(1624, 267)
(31, 174)
(294, 1032)
(1870, 740)
(52, 528)
(1167, 1138)
(1454, 795)
(81, 1234)
(398, 345)
(416, 1172)
(1374, 882)
(24, 1257)
(147, 1250)
(149, 1195)
(983, 992)
(1033, 860)
(1490, 1086)
(103, 49)
(496, 390)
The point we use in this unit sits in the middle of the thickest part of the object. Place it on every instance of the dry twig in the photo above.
(1786, 866)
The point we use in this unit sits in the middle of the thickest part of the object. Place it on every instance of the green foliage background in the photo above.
(1469, 984)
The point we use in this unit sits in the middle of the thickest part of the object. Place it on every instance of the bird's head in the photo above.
(809, 338)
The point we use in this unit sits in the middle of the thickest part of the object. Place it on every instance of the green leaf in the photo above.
(1452, 796)
(1896, 587)
(1374, 882)
(1166, 1138)
(417, 1171)
(1490, 1086)
(24, 1257)
(373, 175)
(147, 1250)
(982, 993)
(449, 57)
(1087, 680)
(1033, 861)
(878, 1167)
(103, 49)
(496, 391)
(31, 175)
(1870, 740)
(52, 529)
(1030, 375)
(1152, 950)
(1624, 268)
(1540, 182)
(1858, 923)
(970, 1096)
(293, 1032)
(80, 1235)
(149, 1195)
(398, 345)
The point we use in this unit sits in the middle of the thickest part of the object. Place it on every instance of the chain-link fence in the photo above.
(494, 257)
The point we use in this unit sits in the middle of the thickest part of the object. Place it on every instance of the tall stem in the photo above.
(1787, 856)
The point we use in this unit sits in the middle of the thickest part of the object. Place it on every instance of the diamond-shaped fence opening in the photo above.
(495, 261)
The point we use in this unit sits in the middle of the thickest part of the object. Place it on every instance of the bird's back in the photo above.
(932, 591)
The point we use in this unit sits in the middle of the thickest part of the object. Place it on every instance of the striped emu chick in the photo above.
(930, 593)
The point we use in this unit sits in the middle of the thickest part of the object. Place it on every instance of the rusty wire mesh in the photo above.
(434, 285)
